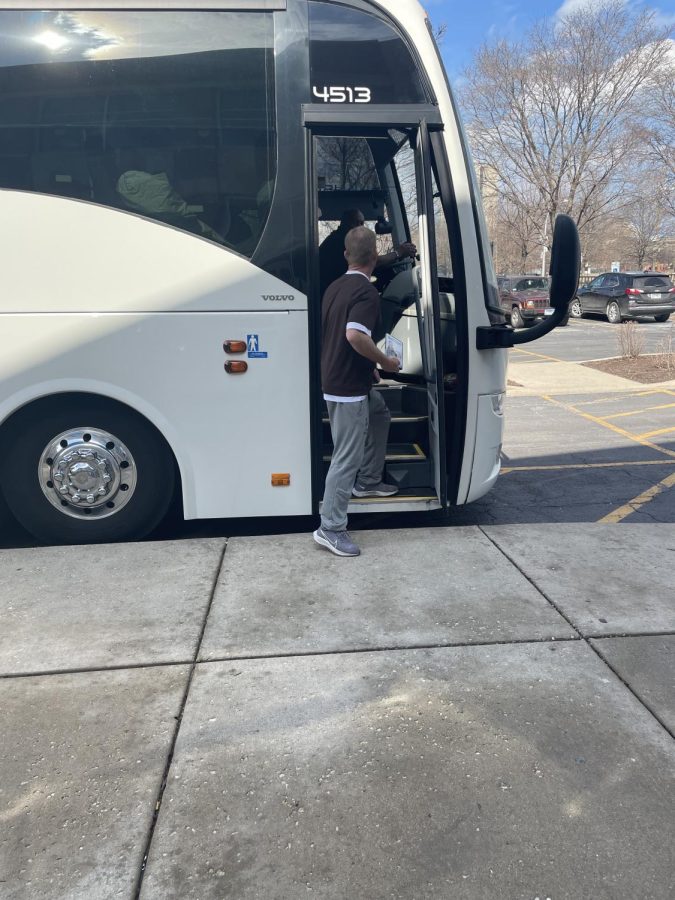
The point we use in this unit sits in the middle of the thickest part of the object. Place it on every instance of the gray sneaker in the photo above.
(338, 542)
(374, 490)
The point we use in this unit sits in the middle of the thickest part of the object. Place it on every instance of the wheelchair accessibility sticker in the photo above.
(254, 351)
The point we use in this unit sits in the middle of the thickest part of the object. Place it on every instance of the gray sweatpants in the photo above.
(360, 432)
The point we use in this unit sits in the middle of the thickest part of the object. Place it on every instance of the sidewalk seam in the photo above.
(393, 648)
(179, 722)
(587, 640)
(47, 673)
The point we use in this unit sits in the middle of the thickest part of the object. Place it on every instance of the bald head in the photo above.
(361, 247)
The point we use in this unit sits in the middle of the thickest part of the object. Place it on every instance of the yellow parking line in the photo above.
(606, 465)
(616, 398)
(634, 505)
(540, 355)
(650, 434)
(610, 426)
(636, 412)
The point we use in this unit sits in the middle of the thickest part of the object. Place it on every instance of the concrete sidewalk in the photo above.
(459, 713)
(537, 374)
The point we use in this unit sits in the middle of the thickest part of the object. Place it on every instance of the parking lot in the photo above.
(601, 454)
(580, 446)
(595, 338)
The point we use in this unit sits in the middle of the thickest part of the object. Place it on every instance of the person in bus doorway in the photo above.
(359, 418)
(332, 263)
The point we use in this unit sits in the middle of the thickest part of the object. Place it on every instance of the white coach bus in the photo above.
(166, 171)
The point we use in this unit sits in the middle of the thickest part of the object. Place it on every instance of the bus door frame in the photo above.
(368, 120)
(430, 313)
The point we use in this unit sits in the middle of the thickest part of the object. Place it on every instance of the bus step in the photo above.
(408, 500)
(396, 419)
(396, 453)
(405, 428)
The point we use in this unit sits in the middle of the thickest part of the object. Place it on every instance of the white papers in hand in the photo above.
(393, 347)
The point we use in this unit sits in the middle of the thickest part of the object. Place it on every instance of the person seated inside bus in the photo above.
(154, 196)
(332, 262)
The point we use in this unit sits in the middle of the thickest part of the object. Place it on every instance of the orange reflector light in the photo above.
(282, 479)
(234, 367)
(234, 346)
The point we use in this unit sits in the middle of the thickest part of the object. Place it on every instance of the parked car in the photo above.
(626, 295)
(525, 298)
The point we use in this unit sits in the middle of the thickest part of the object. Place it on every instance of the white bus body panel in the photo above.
(166, 302)
(487, 368)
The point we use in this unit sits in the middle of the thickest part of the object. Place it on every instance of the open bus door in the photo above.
(429, 313)
(356, 159)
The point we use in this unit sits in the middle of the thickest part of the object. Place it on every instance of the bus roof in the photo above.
(400, 9)
(186, 5)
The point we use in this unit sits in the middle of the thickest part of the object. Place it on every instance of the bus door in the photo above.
(429, 312)
(383, 168)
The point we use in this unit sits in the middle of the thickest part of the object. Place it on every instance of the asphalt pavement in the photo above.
(594, 338)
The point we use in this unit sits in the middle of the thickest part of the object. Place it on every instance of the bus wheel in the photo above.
(85, 471)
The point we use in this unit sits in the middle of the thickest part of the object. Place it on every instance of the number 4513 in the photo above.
(343, 94)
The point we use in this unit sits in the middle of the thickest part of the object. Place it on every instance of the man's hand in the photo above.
(407, 250)
(390, 363)
(366, 347)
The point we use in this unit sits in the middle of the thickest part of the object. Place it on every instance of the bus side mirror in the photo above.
(565, 263)
(564, 271)
(382, 226)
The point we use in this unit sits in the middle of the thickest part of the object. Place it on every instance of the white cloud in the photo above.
(662, 18)
(570, 6)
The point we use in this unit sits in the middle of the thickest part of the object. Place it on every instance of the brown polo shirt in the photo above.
(350, 302)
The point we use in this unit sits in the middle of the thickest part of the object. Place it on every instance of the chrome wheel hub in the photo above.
(87, 473)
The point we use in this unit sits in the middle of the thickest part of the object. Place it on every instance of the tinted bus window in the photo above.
(167, 115)
(358, 58)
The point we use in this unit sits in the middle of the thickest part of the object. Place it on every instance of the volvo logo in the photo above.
(278, 298)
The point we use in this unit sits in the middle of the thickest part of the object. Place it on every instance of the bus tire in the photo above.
(83, 469)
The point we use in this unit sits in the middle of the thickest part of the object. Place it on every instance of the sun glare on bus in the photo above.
(51, 39)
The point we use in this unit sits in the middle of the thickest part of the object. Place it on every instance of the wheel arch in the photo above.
(18, 405)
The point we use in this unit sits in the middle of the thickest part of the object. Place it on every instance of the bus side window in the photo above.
(167, 115)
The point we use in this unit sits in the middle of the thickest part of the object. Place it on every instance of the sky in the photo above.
(471, 22)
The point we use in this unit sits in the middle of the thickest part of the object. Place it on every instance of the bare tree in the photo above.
(519, 234)
(645, 227)
(554, 114)
(440, 32)
(659, 130)
(346, 164)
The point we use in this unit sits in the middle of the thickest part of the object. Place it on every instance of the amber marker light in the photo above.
(281, 479)
(236, 367)
(234, 346)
